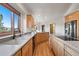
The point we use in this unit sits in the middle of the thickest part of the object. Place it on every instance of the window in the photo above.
(16, 23)
(9, 20)
(5, 19)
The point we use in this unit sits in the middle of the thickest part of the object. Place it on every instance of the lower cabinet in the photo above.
(57, 46)
(61, 49)
(27, 49)
(18, 53)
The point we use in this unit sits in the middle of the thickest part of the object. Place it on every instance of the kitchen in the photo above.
(39, 29)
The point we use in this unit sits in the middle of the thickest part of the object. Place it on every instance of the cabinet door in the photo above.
(53, 45)
(61, 49)
(30, 48)
(18, 53)
(58, 47)
(27, 49)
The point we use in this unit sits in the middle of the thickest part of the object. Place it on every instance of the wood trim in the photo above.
(12, 24)
(4, 34)
(10, 8)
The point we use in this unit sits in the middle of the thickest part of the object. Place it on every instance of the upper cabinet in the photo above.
(30, 22)
(72, 16)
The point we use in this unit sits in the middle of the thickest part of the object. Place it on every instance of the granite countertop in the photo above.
(11, 47)
(74, 45)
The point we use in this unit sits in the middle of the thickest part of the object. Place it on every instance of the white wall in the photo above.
(40, 20)
(23, 22)
(59, 26)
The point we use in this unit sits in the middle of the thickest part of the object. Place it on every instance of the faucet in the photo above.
(14, 35)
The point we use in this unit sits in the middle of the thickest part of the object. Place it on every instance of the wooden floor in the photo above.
(43, 50)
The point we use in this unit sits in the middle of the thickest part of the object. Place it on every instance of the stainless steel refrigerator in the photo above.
(71, 30)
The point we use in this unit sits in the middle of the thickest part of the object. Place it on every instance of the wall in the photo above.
(42, 20)
(59, 25)
(23, 23)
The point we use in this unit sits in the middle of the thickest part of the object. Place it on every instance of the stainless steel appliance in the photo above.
(71, 30)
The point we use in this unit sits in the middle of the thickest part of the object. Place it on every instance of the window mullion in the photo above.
(12, 24)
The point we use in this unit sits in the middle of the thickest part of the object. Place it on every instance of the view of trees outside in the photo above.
(1, 25)
(5, 19)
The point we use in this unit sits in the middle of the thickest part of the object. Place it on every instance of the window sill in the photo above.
(5, 36)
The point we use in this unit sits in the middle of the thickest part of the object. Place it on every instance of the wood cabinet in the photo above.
(57, 46)
(18, 53)
(60, 49)
(41, 37)
(27, 49)
(30, 21)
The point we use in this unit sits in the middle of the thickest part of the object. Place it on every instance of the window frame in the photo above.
(14, 11)
(18, 24)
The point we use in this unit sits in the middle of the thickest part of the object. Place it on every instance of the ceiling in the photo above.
(47, 11)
